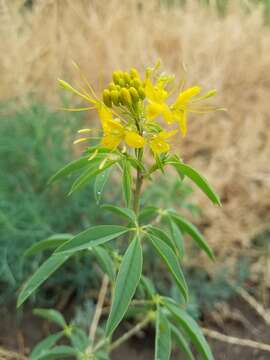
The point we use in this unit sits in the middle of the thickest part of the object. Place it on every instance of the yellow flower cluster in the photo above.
(130, 109)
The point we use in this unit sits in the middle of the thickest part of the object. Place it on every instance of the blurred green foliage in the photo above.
(34, 143)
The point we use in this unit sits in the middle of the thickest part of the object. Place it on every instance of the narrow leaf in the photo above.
(70, 168)
(163, 337)
(124, 212)
(100, 182)
(126, 283)
(191, 328)
(105, 261)
(171, 261)
(181, 342)
(127, 182)
(58, 352)
(177, 238)
(42, 274)
(95, 235)
(198, 179)
(42, 347)
(51, 315)
(190, 229)
(51, 243)
(162, 235)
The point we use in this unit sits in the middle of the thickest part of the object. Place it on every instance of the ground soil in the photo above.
(238, 320)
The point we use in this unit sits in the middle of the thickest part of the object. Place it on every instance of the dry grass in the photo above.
(230, 53)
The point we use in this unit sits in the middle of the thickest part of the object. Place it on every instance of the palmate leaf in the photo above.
(126, 283)
(190, 229)
(198, 179)
(171, 261)
(52, 316)
(191, 328)
(51, 243)
(95, 235)
(91, 237)
(163, 337)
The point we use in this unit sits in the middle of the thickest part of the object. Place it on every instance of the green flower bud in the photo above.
(137, 83)
(117, 75)
(126, 77)
(141, 93)
(121, 82)
(134, 73)
(134, 94)
(125, 97)
(112, 86)
(107, 98)
(115, 96)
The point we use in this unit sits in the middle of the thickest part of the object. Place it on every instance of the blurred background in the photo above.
(222, 44)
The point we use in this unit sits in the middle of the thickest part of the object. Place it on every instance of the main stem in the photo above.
(138, 186)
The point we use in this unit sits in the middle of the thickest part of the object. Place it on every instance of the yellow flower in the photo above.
(185, 102)
(158, 143)
(115, 133)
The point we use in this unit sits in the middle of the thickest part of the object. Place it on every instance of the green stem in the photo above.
(138, 187)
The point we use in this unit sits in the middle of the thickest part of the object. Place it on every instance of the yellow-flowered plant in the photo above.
(130, 109)
(136, 115)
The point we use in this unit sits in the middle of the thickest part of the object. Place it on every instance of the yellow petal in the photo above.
(153, 110)
(182, 121)
(104, 113)
(134, 140)
(155, 93)
(158, 145)
(167, 134)
(184, 97)
(111, 141)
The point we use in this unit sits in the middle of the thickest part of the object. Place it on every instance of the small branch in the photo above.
(99, 306)
(236, 341)
(129, 334)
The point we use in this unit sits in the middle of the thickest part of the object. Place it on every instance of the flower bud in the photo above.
(141, 93)
(126, 78)
(107, 98)
(134, 73)
(112, 86)
(137, 83)
(115, 96)
(117, 75)
(134, 94)
(121, 82)
(125, 97)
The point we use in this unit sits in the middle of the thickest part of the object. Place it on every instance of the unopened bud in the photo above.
(116, 76)
(112, 86)
(107, 98)
(134, 94)
(126, 77)
(137, 83)
(125, 97)
(115, 96)
(141, 93)
(134, 73)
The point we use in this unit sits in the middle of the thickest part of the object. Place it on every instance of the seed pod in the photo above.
(107, 98)
(115, 96)
(125, 97)
(134, 94)
(134, 73)
(137, 83)
(141, 93)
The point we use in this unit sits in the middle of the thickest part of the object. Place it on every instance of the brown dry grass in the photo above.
(230, 53)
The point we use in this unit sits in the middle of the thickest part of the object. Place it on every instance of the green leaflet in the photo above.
(95, 235)
(177, 238)
(105, 261)
(100, 182)
(181, 342)
(127, 182)
(126, 283)
(172, 263)
(198, 179)
(124, 212)
(51, 243)
(163, 337)
(191, 328)
(52, 316)
(190, 229)
(42, 347)
(42, 274)
(58, 352)
(91, 172)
